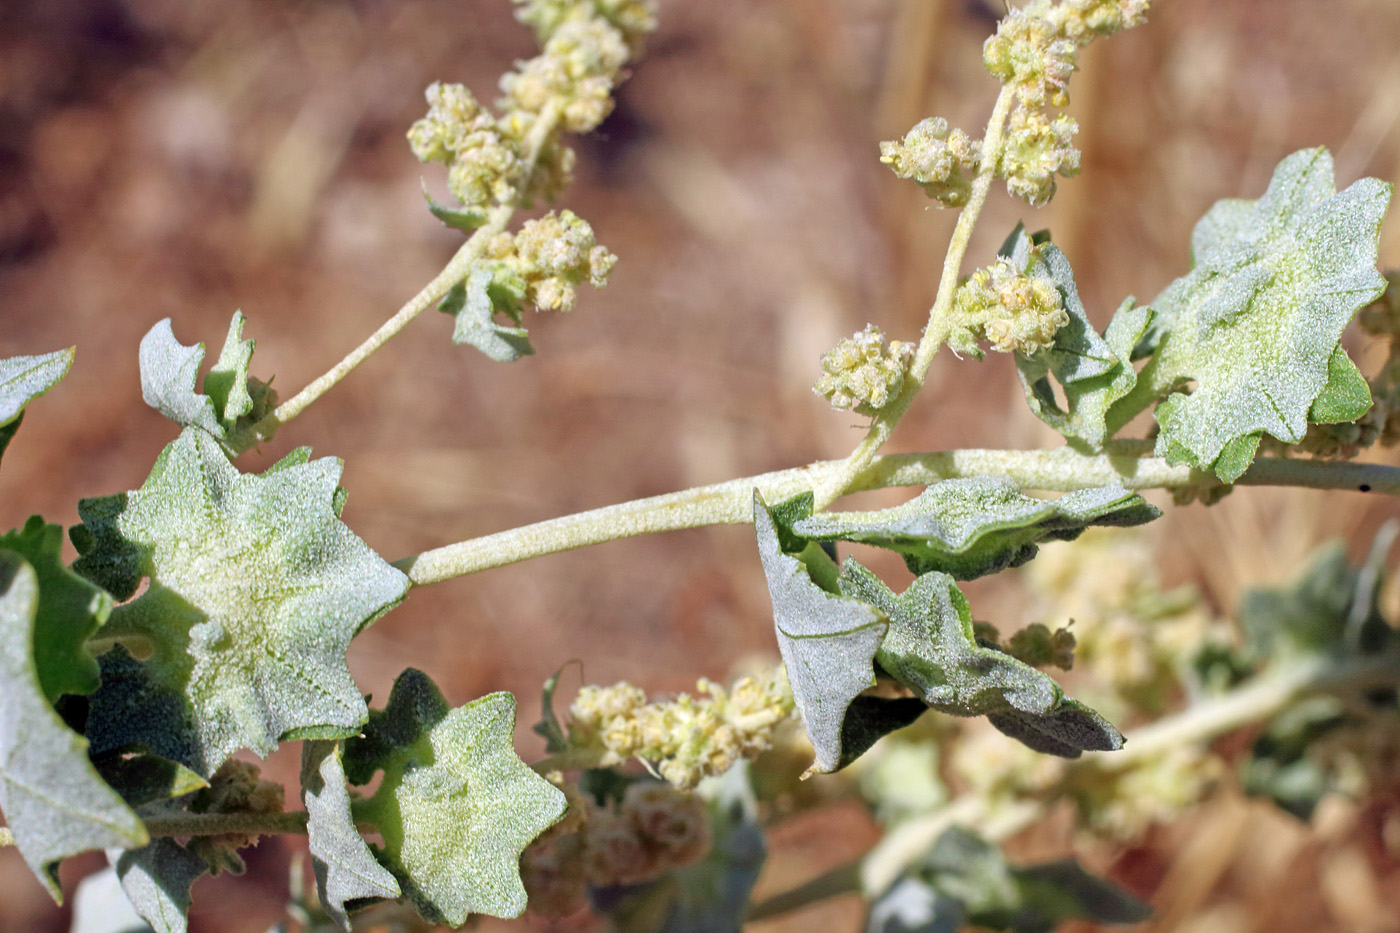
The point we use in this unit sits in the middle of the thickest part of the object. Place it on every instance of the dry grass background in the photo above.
(185, 159)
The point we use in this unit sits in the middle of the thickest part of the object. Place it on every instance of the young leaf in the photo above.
(55, 803)
(1093, 371)
(22, 380)
(464, 219)
(930, 649)
(473, 309)
(142, 777)
(456, 805)
(232, 400)
(157, 879)
(978, 525)
(255, 590)
(70, 610)
(1257, 320)
(347, 874)
(828, 642)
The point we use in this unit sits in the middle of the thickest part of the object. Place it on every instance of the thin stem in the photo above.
(217, 824)
(455, 271)
(940, 319)
(843, 879)
(1060, 470)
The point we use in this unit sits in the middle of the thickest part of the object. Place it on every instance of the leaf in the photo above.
(471, 305)
(101, 906)
(1345, 397)
(142, 777)
(979, 525)
(930, 649)
(549, 727)
(347, 874)
(255, 590)
(54, 802)
(232, 401)
(1281, 765)
(1092, 371)
(157, 879)
(456, 805)
(912, 906)
(22, 380)
(1305, 619)
(828, 642)
(1257, 320)
(463, 219)
(70, 610)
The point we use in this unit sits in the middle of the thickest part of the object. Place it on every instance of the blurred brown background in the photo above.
(186, 159)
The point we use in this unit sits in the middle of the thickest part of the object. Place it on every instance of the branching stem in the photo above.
(455, 271)
(1059, 470)
(940, 318)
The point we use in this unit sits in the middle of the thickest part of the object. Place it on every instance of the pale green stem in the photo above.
(731, 503)
(940, 318)
(455, 271)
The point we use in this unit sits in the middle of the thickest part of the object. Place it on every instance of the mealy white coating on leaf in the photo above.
(827, 642)
(157, 880)
(54, 801)
(1255, 321)
(977, 525)
(474, 321)
(456, 806)
(25, 378)
(256, 589)
(101, 906)
(345, 868)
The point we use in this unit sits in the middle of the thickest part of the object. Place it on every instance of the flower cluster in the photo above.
(550, 258)
(653, 829)
(513, 158)
(862, 373)
(1009, 309)
(237, 787)
(1124, 802)
(942, 161)
(689, 738)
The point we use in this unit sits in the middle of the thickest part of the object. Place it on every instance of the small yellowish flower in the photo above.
(1007, 308)
(863, 374)
(943, 161)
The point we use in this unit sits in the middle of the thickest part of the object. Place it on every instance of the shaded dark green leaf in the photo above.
(157, 879)
(473, 308)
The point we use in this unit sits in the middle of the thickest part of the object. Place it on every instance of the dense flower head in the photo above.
(1029, 57)
(1036, 149)
(633, 19)
(578, 68)
(552, 257)
(1007, 308)
(862, 373)
(1082, 21)
(484, 163)
(943, 161)
(689, 738)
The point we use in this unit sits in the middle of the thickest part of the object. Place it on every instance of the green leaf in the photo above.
(828, 642)
(1257, 320)
(22, 380)
(157, 879)
(255, 591)
(549, 727)
(979, 525)
(456, 805)
(232, 401)
(1305, 619)
(70, 610)
(1345, 397)
(347, 874)
(142, 777)
(1093, 372)
(930, 648)
(914, 906)
(1281, 764)
(473, 308)
(54, 802)
(463, 219)
(101, 906)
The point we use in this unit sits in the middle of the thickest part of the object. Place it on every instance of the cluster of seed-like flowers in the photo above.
(863, 373)
(653, 829)
(497, 160)
(1037, 148)
(689, 738)
(237, 787)
(1124, 802)
(1009, 309)
(942, 161)
(551, 257)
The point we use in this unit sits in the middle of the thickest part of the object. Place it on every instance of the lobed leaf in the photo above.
(827, 641)
(979, 525)
(255, 590)
(347, 874)
(55, 803)
(1093, 372)
(157, 879)
(473, 308)
(456, 805)
(22, 380)
(1256, 322)
(232, 401)
(930, 648)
